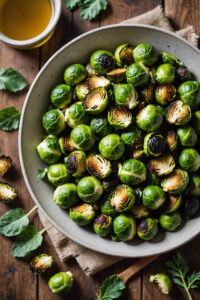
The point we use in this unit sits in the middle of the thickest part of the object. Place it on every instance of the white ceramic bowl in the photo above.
(37, 101)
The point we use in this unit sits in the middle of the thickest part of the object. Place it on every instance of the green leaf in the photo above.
(13, 222)
(42, 174)
(111, 288)
(9, 119)
(92, 8)
(194, 280)
(11, 80)
(72, 4)
(28, 241)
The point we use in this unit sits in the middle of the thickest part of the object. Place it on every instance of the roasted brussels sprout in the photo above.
(187, 136)
(124, 54)
(137, 75)
(162, 165)
(100, 126)
(138, 154)
(122, 198)
(94, 82)
(196, 121)
(89, 189)
(66, 145)
(58, 174)
(163, 282)
(102, 61)
(119, 117)
(61, 282)
(150, 118)
(96, 101)
(90, 70)
(117, 75)
(147, 229)
(153, 197)
(125, 94)
(124, 227)
(165, 93)
(132, 172)
(173, 203)
(132, 137)
(146, 54)
(165, 73)
(107, 208)
(41, 263)
(74, 74)
(81, 90)
(171, 140)
(154, 144)
(111, 147)
(53, 121)
(61, 95)
(195, 185)
(49, 150)
(76, 163)
(176, 182)
(5, 164)
(177, 113)
(103, 225)
(83, 137)
(75, 115)
(168, 58)
(189, 93)
(65, 195)
(148, 93)
(139, 211)
(183, 74)
(191, 206)
(189, 160)
(98, 166)
(82, 214)
(170, 222)
(7, 193)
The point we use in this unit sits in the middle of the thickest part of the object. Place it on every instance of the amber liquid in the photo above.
(24, 19)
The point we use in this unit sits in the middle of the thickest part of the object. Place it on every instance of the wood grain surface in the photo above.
(16, 280)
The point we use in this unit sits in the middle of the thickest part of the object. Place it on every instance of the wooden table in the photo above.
(16, 280)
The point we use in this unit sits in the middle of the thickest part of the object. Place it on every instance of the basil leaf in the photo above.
(29, 240)
(13, 222)
(42, 174)
(11, 80)
(72, 4)
(9, 119)
(92, 8)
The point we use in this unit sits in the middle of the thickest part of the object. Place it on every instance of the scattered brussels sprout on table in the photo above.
(61, 282)
(5, 164)
(163, 282)
(7, 193)
(41, 263)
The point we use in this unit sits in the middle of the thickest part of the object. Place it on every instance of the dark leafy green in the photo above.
(42, 174)
(9, 119)
(71, 4)
(11, 80)
(111, 288)
(92, 8)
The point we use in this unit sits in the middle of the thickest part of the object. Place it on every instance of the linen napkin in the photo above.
(90, 261)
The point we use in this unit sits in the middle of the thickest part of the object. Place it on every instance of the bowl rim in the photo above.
(185, 240)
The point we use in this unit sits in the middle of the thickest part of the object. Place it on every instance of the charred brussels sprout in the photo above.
(150, 118)
(61, 282)
(83, 137)
(132, 172)
(132, 137)
(96, 101)
(81, 90)
(119, 117)
(191, 207)
(146, 54)
(125, 94)
(171, 140)
(137, 75)
(153, 197)
(74, 74)
(148, 93)
(195, 184)
(189, 93)
(168, 58)
(183, 74)
(176, 182)
(102, 225)
(102, 61)
(41, 263)
(154, 144)
(58, 174)
(165, 73)
(117, 75)
(75, 115)
(5, 164)
(163, 282)
(49, 150)
(82, 214)
(100, 126)
(53, 121)
(122, 198)
(139, 211)
(61, 95)
(76, 164)
(66, 145)
(7, 193)
(165, 93)
(94, 82)
(187, 136)
(189, 160)
(111, 147)
(147, 229)
(98, 166)
(124, 54)
(173, 203)
(177, 113)
(162, 165)
(89, 189)
(124, 228)
(170, 222)
(65, 195)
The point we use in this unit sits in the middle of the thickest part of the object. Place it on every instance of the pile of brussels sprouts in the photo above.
(122, 143)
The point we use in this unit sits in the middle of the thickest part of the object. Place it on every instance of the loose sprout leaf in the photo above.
(91, 8)
(11, 80)
(111, 288)
(42, 174)
(28, 241)
(72, 4)
(9, 118)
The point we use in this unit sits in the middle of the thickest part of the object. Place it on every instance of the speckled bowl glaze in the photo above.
(31, 132)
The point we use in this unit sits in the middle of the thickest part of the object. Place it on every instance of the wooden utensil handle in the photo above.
(136, 267)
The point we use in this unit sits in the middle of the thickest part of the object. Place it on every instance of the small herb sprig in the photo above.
(111, 288)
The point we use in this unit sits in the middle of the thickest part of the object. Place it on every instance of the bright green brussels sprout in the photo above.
(76, 163)
(165, 73)
(122, 198)
(137, 75)
(75, 115)
(153, 197)
(102, 61)
(162, 165)
(89, 189)
(165, 93)
(139, 211)
(66, 145)
(146, 54)
(117, 75)
(176, 182)
(187, 136)
(61, 282)
(103, 225)
(98, 166)
(53, 121)
(74, 74)
(154, 144)
(49, 150)
(82, 214)
(132, 137)
(168, 58)
(170, 222)
(171, 140)
(173, 203)
(100, 126)
(119, 117)
(148, 93)
(61, 95)
(197, 121)
(83, 137)
(94, 82)
(150, 118)
(132, 172)
(147, 229)
(195, 185)
(96, 101)
(124, 228)
(189, 93)
(107, 208)
(65, 195)
(58, 174)
(124, 54)
(177, 113)
(125, 94)
(81, 90)
(163, 281)
(111, 146)
(189, 160)
(183, 74)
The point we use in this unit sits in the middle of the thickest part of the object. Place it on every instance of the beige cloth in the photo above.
(90, 261)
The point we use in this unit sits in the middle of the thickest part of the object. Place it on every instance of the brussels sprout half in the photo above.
(187, 136)
(125, 94)
(100, 126)
(132, 137)
(189, 160)
(41, 263)
(119, 117)
(176, 182)
(89, 189)
(153, 197)
(83, 137)
(165, 73)
(195, 185)
(146, 54)
(117, 75)
(154, 144)
(124, 54)
(53, 121)
(139, 211)
(96, 101)
(171, 139)
(76, 163)
(75, 115)
(122, 198)
(148, 93)
(132, 172)
(124, 227)
(102, 225)
(82, 214)
(137, 75)
(5, 164)
(61, 282)
(173, 203)
(165, 93)
(66, 145)
(183, 74)
(61, 95)
(7, 193)
(150, 118)
(81, 90)
(147, 229)
(162, 165)
(111, 147)
(170, 222)
(65, 195)
(49, 150)
(189, 93)
(102, 61)
(58, 174)
(94, 82)
(177, 113)
(74, 74)
(98, 166)
(163, 282)
(138, 154)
